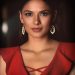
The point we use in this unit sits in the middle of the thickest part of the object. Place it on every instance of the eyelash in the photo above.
(28, 14)
(42, 14)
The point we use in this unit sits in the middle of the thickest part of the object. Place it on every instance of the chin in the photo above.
(37, 35)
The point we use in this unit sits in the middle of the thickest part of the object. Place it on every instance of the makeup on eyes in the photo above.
(44, 13)
(41, 13)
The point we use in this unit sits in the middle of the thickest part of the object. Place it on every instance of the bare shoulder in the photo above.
(73, 71)
(2, 66)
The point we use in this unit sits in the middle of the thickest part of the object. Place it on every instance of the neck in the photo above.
(38, 43)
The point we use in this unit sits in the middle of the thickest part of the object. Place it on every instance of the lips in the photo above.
(36, 29)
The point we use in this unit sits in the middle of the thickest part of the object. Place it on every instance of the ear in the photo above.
(21, 18)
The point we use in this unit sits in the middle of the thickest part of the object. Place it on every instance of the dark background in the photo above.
(66, 27)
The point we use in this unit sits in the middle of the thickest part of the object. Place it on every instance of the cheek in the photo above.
(27, 25)
(47, 22)
(26, 22)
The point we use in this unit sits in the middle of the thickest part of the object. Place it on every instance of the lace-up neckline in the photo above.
(41, 69)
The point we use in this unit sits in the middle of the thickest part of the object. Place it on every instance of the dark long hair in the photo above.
(62, 21)
(53, 5)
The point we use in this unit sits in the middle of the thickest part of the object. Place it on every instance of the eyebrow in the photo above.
(27, 11)
(45, 11)
(40, 11)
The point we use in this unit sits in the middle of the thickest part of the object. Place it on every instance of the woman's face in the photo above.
(36, 18)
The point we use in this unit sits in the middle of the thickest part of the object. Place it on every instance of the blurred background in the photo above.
(10, 26)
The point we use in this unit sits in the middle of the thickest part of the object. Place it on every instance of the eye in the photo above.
(28, 14)
(44, 14)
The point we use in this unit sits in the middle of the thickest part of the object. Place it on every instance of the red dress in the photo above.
(60, 65)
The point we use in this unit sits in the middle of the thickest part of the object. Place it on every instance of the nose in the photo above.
(37, 20)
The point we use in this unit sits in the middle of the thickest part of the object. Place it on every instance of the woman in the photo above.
(40, 54)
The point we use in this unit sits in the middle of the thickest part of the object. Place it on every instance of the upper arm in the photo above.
(73, 71)
(2, 66)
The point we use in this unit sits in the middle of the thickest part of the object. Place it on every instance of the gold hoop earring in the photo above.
(52, 30)
(23, 30)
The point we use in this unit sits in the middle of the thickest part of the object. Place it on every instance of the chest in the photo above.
(36, 63)
(58, 64)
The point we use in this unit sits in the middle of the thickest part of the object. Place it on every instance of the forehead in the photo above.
(35, 5)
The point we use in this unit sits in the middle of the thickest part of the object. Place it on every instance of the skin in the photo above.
(2, 66)
(38, 43)
(36, 18)
(38, 50)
